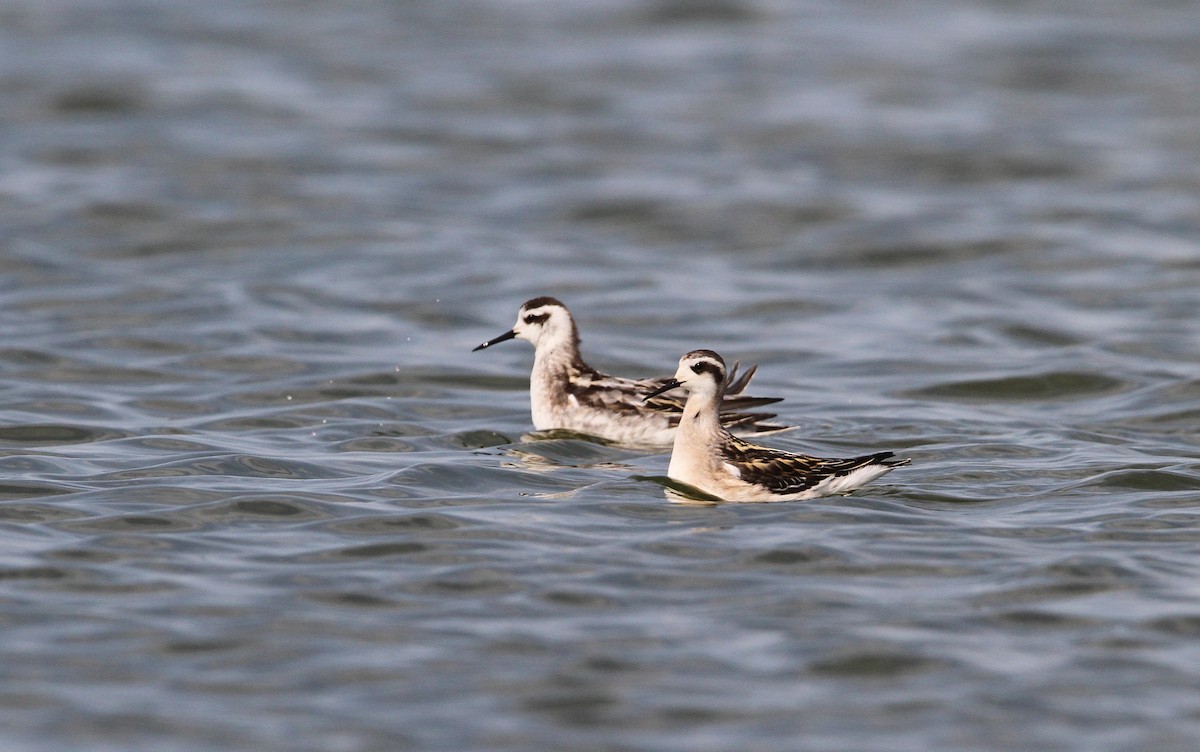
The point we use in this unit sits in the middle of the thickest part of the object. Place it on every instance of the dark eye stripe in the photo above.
(537, 319)
(706, 367)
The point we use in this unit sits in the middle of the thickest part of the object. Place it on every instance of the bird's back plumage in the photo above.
(567, 393)
(707, 456)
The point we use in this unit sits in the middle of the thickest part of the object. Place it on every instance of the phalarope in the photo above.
(566, 393)
(709, 458)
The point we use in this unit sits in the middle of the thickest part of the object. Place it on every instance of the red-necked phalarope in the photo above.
(566, 393)
(709, 458)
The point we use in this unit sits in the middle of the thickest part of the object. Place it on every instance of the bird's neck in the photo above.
(557, 356)
(699, 431)
(701, 416)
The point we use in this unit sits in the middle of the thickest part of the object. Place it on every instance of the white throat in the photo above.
(554, 358)
(699, 432)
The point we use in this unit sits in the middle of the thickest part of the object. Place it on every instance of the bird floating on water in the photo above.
(566, 393)
(710, 459)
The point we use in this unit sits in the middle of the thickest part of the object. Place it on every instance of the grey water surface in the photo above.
(257, 493)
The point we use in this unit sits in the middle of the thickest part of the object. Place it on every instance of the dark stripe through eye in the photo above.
(538, 319)
(705, 367)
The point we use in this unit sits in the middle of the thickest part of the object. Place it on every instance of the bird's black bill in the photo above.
(502, 338)
(666, 387)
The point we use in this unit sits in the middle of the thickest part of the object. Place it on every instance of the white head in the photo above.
(545, 322)
(700, 372)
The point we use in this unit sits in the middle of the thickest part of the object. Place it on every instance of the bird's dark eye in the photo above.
(698, 367)
(537, 319)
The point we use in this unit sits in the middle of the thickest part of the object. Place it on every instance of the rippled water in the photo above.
(257, 493)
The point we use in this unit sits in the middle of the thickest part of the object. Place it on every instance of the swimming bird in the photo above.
(567, 393)
(709, 458)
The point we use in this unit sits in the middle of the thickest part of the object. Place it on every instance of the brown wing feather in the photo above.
(784, 473)
(735, 384)
(605, 392)
(623, 395)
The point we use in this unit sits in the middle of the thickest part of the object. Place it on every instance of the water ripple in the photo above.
(258, 493)
(1037, 387)
(51, 434)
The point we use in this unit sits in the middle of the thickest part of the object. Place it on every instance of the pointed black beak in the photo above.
(667, 386)
(502, 338)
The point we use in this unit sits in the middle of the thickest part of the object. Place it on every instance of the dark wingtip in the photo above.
(752, 423)
(760, 427)
(889, 458)
(736, 382)
(745, 403)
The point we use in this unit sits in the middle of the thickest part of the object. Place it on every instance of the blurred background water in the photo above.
(257, 493)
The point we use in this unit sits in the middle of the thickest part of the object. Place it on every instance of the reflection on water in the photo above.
(257, 495)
